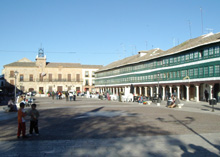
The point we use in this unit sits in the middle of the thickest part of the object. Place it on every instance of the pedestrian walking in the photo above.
(71, 96)
(66, 95)
(53, 94)
(34, 120)
(74, 96)
(206, 95)
(21, 121)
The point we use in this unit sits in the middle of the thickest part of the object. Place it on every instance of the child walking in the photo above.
(34, 120)
(21, 121)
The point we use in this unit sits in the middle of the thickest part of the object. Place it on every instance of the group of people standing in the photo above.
(69, 95)
(34, 115)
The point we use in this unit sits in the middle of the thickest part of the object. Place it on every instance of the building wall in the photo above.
(36, 83)
(190, 69)
(90, 78)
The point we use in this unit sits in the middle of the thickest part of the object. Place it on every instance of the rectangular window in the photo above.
(175, 59)
(211, 70)
(191, 56)
(93, 74)
(171, 60)
(77, 77)
(200, 72)
(69, 77)
(77, 88)
(182, 59)
(183, 73)
(31, 77)
(201, 54)
(191, 73)
(178, 74)
(196, 72)
(154, 64)
(187, 57)
(206, 71)
(12, 74)
(50, 77)
(87, 82)
(164, 76)
(206, 53)
(87, 73)
(217, 50)
(159, 63)
(217, 70)
(171, 75)
(196, 55)
(21, 77)
(179, 59)
(59, 77)
(174, 74)
(165, 62)
(211, 51)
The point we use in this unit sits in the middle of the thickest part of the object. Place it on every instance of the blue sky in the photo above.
(98, 32)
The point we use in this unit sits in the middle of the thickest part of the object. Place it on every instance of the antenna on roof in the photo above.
(190, 29)
(146, 45)
(174, 42)
(133, 49)
(124, 50)
(201, 20)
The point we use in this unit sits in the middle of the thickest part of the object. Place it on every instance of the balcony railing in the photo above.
(52, 80)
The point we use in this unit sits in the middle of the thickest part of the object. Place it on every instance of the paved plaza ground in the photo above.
(91, 127)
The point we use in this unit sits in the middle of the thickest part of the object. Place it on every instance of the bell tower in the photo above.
(41, 58)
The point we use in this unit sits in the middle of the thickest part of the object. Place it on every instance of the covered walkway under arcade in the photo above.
(186, 91)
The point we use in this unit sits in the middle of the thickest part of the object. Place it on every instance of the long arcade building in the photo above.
(188, 70)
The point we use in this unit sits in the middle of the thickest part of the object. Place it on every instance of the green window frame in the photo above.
(191, 73)
(210, 51)
(174, 74)
(179, 59)
(196, 72)
(200, 72)
(178, 74)
(183, 73)
(187, 57)
(217, 68)
(171, 75)
(211, 70)
(191, 56)
(206, 71)
(217, 50)
(171, 60)
(206, 53)
(196, 55)
(182, 59)
(175, 60)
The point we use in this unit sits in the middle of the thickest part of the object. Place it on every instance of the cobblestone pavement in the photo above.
(92, 127)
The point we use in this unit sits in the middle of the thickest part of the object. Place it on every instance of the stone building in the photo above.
(188, 70)
(42, 76)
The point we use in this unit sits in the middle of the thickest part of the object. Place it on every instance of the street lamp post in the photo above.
(15, 74)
